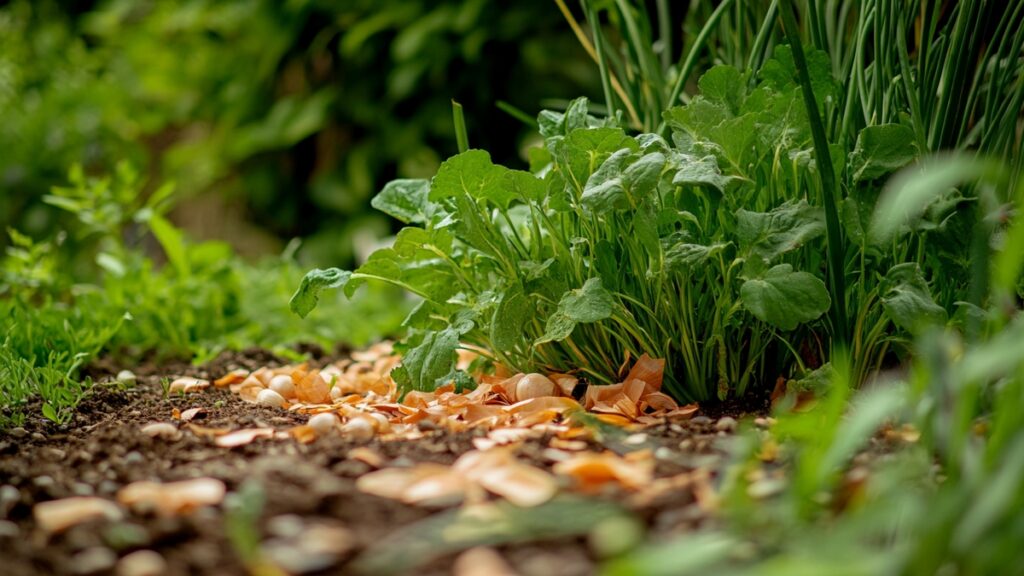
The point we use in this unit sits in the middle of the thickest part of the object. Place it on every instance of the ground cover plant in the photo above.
(751, 307)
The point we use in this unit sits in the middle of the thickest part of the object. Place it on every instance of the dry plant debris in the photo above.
(357, 398)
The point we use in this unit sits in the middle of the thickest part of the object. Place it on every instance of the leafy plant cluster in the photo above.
(705, 251)
(716, 238)
(821, 492)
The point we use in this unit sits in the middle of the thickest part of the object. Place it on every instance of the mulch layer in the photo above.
(303, 486)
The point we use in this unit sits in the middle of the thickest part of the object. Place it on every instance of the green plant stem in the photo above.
(834, 245)
(602, 64)
(691, 59)
(460, 127)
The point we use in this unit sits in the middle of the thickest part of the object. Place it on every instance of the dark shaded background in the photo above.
(275, 119)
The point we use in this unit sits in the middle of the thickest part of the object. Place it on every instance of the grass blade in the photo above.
(836, 259)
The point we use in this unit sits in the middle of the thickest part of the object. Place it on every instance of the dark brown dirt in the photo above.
(102, 450)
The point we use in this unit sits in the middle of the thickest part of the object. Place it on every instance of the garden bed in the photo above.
(305, 485)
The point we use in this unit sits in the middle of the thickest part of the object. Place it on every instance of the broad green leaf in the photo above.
(576, 116)
(405, 200)
(472, 174)
(581, 152)
(509, 320)
(770, 234)
(590, 303)
(525, 186)
(724, 85)
(316, 281)
(412, 241)
(693, 171)
(881, 150)
(413, 263)
(604, 190)
(682, 256)
(429, 363)
(907, 300)
(779, 73)
(641, 177)
(816, 381)
(910, 192)
(785, 298)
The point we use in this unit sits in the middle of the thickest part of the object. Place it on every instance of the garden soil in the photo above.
(306, 489)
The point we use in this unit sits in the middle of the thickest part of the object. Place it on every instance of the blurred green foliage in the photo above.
(61, 308)
(297, 111)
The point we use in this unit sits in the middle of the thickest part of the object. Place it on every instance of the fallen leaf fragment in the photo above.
(206, 431)
(520, 484)
(592, 472)
(56, 516)
(482, 561)
(312, 389)
(164, 430)
(172, 498)
(232, 377)
(367, 456)
(192, 414)
(188, 385)
(426, 483)
(243, 437)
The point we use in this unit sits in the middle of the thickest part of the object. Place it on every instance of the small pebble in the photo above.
(18, 432)
(358, 429)
(43, 482)
(283, 385)
(164, 430)
(81, 489)
(126, 376)
(268, 397)
(323, 423)
(142, 563)
(55, 454)
(9, 496)
(285, 526)
(726, 424)
(700, 420)
(134, 457)
(125, 535)
(108, 487)
(9, 529)
(38, 437)
(93, 560)
(686, 445)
